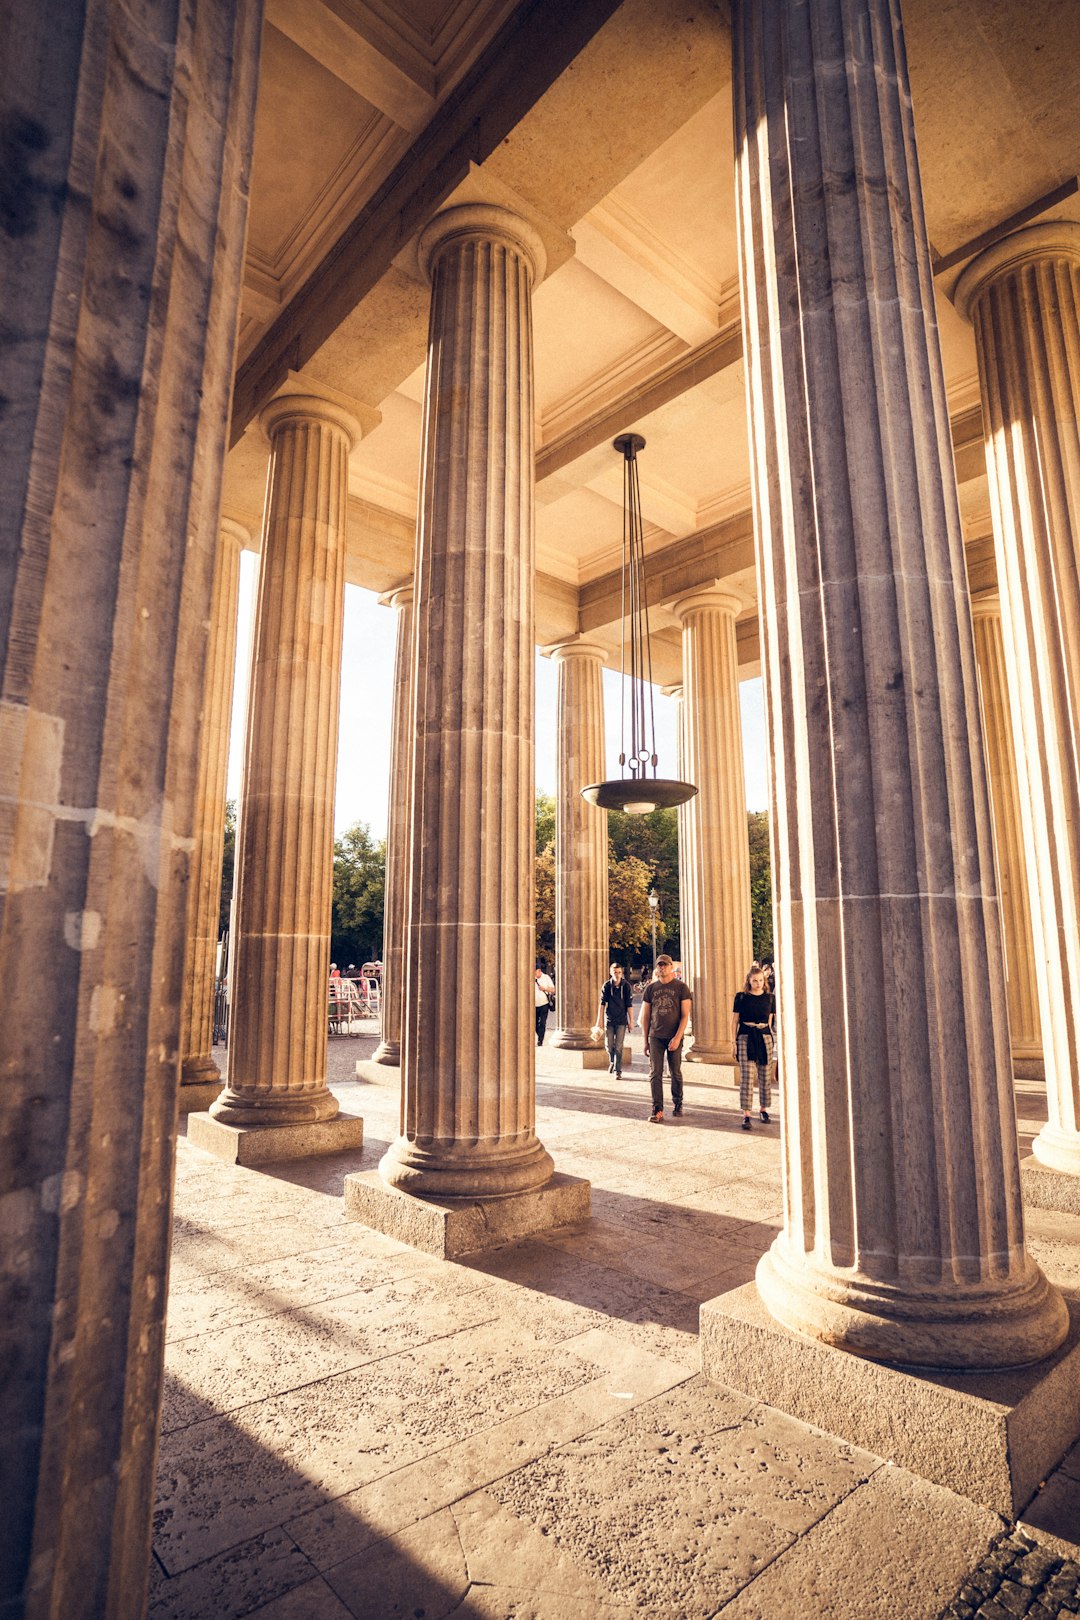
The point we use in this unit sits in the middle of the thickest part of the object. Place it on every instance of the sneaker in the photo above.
(764, 1116)
(746, 1122)
(657, 1118)
(611, 1068)
(677, 1109)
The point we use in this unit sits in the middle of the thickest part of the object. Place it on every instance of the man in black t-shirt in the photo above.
(665, 1012)
(616, 1013)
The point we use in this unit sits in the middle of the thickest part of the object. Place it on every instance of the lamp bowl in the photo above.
(637, 798)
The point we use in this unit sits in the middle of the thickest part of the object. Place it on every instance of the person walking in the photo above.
(615, 1013)
(665, 1012)
(753, 1041)
(545, 1000)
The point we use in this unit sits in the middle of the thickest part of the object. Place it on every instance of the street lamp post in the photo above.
(654, 906)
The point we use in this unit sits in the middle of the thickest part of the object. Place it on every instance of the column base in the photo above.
(1043, 1188)
(196, 1096)
(376, 1073)
(576, 1059)
(718, 1056)
(266, 1144)
(1057, 1149)
(1016, 1426)
(575, 1040)
(957, 1328)
(451, 1227)
(388, 1052)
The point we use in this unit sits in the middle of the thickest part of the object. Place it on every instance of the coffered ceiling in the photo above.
(624, 158)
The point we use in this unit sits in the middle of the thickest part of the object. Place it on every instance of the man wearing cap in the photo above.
(665, 1012)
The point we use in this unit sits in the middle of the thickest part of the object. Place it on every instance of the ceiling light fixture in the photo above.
(637, 792)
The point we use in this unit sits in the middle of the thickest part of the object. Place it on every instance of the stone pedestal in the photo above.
(397, 833)
(714, 856)
(990, 1436)
(1021, 980)
(129, 133)
(200, 1078)
(468, 1037)
(277, 1046)
(1023, 298)
(453, 1227)
(903, 1234)
(268, 1144)
(581, 878)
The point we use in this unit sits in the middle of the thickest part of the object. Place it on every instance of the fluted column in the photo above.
(468, 1022)
(581, 878)
(903, 1233)
(714, 864)
(1021, 979)
(675, 691)
(397, 832)
(1023, 297)
(277, 1048)
(200, 1077)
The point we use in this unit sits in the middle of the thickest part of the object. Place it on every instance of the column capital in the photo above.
(486, 222)
(675, 690)
(230, 529)
(986, 605)
(711, 597)
(576, 648)
(1054, 239)
(399, 596)
(287, 408)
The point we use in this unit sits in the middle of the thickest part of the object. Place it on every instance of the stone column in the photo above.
(276, 1103)
(676, 692)
(397, 832)
(581, 879)
(714, 862)
(903, 1234)
(200, 1077)
(1021, 980)
(128, 144)
(469, 1097)
(1023, 296)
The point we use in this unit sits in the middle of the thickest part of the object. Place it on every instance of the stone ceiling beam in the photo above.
(331, 34)
(526, 56)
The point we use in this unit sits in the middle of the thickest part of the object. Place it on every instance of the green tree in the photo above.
(629, 917)
(356, 928)
(761, 900)
(654, 840)
(545, 907)
(545, 822)
(228, 864)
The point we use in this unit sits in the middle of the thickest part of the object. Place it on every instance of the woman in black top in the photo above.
(753, 1042)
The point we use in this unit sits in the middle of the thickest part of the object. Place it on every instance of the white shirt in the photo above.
(544, 985)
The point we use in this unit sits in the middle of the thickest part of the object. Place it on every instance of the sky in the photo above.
(364, 739)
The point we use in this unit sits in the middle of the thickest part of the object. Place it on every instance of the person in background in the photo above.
(753, 1041)
(665, 1013)
(545, 1000)
(615, 1013)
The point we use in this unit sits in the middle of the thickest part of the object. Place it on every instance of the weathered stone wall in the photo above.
(130, 129)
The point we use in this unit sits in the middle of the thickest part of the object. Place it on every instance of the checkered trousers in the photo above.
(764, 1073)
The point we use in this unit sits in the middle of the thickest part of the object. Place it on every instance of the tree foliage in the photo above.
(761, 900)
(629, 917)
(228, 864)
(545, 904)
(545, 822)
(356, 929)
(653, 840)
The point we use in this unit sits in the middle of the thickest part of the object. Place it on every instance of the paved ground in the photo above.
(354, 1429)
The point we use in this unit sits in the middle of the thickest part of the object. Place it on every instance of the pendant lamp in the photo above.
(638, 789)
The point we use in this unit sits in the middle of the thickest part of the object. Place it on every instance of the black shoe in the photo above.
(764, 1116)
(746, 1122)
(677, 1109)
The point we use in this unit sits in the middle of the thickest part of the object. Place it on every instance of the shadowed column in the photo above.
(1021, 980)
(469, 1091)
(277, 1046)
(397, 832)
(200, 1077)
(581, 879)
(1023, 297)
(714, 860)
(903, 1233)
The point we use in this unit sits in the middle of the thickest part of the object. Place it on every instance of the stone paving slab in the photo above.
(368, 1432)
